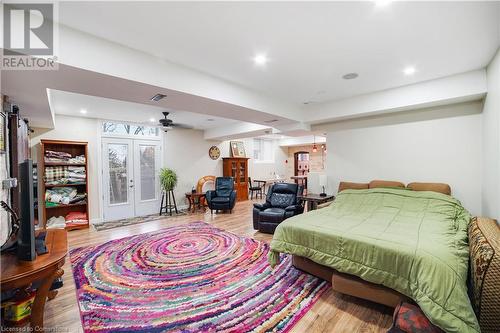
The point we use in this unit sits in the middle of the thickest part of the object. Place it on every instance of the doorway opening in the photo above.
(301, 168)
(131, 161)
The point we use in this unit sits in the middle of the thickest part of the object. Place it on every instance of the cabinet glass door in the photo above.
(242, 172)
(234, 170)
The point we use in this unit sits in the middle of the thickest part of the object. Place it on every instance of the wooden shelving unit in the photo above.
(74, 148)
(237, 167)
(63, 164)
(64, 185)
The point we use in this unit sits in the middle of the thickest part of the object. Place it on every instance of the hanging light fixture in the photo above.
(315, 148)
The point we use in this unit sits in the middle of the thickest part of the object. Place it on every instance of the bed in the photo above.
(396, 242)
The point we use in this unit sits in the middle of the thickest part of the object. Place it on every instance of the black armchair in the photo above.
(281, 203)
(224, 195)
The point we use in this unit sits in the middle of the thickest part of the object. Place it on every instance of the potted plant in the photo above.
(168, 179)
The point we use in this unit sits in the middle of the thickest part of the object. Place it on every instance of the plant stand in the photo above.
(168, 197)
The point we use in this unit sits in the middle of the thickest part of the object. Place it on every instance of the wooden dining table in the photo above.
(300, 180)
(268, 182)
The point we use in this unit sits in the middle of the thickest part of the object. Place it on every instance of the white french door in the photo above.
(130, 177)
(147, 183)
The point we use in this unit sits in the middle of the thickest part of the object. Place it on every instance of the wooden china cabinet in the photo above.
(237, 167)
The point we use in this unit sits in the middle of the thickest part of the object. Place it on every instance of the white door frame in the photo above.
(100, 137)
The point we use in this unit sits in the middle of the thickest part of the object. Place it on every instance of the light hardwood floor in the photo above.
(334, 312)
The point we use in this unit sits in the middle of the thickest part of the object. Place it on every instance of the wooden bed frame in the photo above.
(353, 285)
(350, 284)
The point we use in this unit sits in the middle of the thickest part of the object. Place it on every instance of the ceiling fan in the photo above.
(169, 124)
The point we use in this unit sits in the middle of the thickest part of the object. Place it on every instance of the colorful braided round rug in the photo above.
(190, 278)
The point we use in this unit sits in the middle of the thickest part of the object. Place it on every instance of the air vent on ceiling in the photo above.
(271, 121)
(350, 76)
(158, 97)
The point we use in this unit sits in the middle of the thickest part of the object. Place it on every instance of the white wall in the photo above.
(76, 129)
(421, 147)
(259, 170)
(491, 142)
(186, 152)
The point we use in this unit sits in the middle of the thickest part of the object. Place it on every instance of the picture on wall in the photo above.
(237, 149)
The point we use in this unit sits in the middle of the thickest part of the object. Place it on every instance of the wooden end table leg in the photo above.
(189, 197)
(52, 294)
(36, 320)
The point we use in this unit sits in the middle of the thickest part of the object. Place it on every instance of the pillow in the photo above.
(434, 187)
(385, 183)
(409, 318)
(484, 247)
(352, 186)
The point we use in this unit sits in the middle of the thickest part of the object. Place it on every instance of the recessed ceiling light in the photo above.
(260, 59)
(382, 3)
(152, 120)
(83, 111)
(350, 76)
(157, 97)
(409, 70)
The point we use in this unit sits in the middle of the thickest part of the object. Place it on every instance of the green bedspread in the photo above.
(412, 242)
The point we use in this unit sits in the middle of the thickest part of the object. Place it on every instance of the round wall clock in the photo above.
(214, 152)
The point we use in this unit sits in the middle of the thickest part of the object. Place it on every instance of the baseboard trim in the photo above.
(101, 220)
(98, 220)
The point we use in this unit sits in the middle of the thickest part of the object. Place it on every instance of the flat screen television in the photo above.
(26, 235)
(22, 230)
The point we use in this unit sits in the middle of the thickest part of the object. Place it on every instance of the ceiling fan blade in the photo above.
(183, 126)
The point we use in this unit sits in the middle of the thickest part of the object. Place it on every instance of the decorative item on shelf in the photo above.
(193, 190)
(168, 181)
(323, 182)
(214, 152)
(237, 149)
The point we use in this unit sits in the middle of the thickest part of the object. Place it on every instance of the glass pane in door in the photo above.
(148, 179)
(118, 177)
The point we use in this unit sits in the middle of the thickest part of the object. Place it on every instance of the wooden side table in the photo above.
(313, 200)
(195, 199)
(45, 268)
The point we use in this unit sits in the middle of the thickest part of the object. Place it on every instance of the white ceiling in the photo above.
(28, 89)
(310, 45)
(70, 104)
